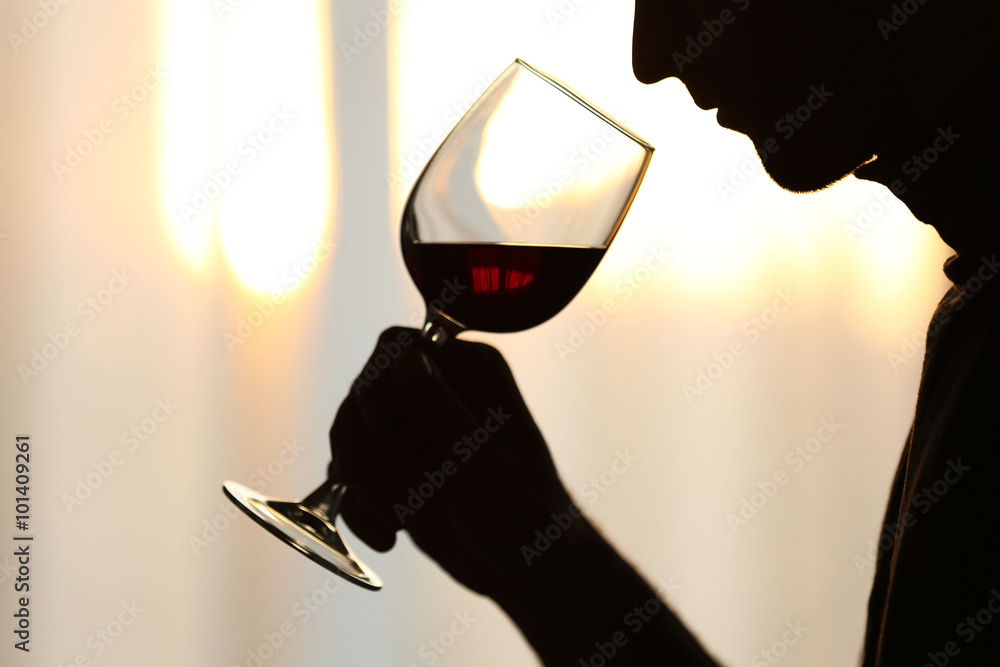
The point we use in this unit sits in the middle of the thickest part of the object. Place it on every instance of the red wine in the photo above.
(496, 286)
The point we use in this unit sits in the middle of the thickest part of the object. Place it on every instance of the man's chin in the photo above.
(807, 161)
(801, 173)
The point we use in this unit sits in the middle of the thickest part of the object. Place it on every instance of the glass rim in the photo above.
(580, 99)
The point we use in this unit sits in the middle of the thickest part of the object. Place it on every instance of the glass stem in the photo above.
(439, 328)
(325, 500)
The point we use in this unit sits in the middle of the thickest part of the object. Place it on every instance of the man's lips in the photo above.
(720, 117)
(705, 102)
(721, 106)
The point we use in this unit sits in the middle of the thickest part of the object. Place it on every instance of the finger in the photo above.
(373, 388)
(430, 404)
(352, 448)
(364, 521)
(356, 464)
(481, 378)
(445, 432)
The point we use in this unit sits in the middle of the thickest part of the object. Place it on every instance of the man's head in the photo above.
(820, 86)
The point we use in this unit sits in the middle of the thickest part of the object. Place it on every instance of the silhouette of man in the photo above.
(907, 81)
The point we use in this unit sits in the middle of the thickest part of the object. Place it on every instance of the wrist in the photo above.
(574, 587)
(562, 535)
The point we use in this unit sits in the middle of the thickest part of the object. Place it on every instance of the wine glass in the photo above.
(507, 221)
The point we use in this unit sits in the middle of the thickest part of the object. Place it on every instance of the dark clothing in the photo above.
(936, 596)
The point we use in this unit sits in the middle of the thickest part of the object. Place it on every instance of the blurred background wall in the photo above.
(198, 210)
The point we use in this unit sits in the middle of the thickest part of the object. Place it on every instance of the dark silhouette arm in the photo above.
(439, 442)
(583, 601)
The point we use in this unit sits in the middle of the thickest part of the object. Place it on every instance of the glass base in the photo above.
(307, 526)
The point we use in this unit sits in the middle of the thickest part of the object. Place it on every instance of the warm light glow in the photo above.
(550, 168)
(275, 102)
(189, 121)
(247, 138)
(522, 153)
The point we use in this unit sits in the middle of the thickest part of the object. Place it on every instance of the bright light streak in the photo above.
(275, 101)
(189, 118)
(529, 140)
(247, 141)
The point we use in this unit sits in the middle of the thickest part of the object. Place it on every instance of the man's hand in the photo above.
(439, 442)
